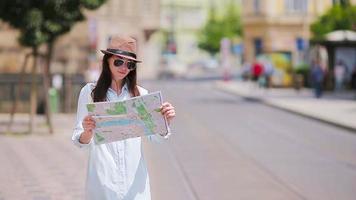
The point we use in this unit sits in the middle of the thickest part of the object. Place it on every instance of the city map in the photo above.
(134, 117)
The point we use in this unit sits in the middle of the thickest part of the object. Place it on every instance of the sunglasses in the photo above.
(131, 65)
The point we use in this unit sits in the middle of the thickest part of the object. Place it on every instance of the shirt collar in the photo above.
(124, 88)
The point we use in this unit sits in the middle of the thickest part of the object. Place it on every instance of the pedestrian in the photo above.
(268, 73)
(116, 170)
(245, 71)
(257, 70)
(339, 75)
(317, 77)
(353, 78)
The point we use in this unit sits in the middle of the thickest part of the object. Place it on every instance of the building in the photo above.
(181, 21)
(136, 18)
(139, 19)
(280, 25)
(280, 28)
(77, 53)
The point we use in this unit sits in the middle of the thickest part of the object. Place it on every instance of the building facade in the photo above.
(137, 18)
(279, 26)
(279, 30)
(77, 53)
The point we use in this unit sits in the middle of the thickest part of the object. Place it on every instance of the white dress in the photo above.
(117, 170)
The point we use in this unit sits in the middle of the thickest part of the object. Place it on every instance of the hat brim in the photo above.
(124, 56)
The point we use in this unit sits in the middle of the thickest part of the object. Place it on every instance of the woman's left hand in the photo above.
(168, 111)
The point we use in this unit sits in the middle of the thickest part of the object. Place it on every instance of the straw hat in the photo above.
(123, 46)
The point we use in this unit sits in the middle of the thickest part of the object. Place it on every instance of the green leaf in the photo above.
(339, 17)
(228, 25)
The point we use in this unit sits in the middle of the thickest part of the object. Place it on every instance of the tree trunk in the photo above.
(68, 93)
(33, 97)
(46, 84)
(18, 93)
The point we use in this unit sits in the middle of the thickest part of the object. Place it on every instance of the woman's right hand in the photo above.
(88, 125)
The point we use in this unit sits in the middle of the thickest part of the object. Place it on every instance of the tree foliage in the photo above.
(339, 17)
(211, 34)
(216, 28)
(41, 21)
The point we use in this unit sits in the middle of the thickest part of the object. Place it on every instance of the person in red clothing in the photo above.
(257, 70)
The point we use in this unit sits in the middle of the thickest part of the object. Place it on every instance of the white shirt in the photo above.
(116, 170)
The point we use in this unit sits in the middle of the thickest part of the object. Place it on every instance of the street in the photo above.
(228, 148)
(222, 147)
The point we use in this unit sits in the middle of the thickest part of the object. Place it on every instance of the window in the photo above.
(257, 6)
(296, 6)
(148, 5)
(258, 46)
(301, 43)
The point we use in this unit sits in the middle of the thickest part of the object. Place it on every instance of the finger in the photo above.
(163, 111)
(167, 109)
(166, 104)
(170, 113)
(89, 118)
(89, 128)
(88, 123)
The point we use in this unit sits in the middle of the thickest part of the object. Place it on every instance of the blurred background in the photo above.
(264, 91)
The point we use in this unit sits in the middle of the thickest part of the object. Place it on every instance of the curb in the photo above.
(230, 90)
(326, 121)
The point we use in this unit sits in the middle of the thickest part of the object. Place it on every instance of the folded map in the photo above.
(134, 117)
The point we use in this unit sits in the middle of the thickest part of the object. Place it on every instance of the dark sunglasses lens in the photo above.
(131, 65)
(118, 62)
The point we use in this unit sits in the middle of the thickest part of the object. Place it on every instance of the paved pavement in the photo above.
(40, 166)
(338, 109)
(223, 147)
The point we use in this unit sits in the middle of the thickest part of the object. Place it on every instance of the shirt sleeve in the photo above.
(154, 138)
(81, 113)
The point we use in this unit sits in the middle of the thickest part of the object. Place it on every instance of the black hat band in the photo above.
(121, 52)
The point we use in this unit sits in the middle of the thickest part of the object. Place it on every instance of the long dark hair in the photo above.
(104, 82)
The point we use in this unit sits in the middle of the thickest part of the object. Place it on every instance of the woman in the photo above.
(116, 170)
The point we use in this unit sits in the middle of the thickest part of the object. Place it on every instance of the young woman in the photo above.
(116, 170)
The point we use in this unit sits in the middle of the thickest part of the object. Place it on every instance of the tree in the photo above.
(215, 28)
(231, 21)
(339, 17)
(42, 22)
(60, 16)
(344, 2)
(27, 18)
(210, 35)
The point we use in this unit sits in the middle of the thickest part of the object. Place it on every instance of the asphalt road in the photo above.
(222, 147)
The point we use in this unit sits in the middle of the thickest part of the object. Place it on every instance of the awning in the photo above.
(341, 35)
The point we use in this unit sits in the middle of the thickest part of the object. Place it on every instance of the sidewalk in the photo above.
(335, 109)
